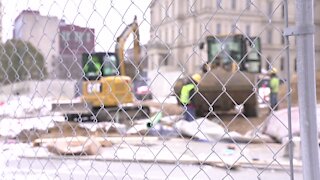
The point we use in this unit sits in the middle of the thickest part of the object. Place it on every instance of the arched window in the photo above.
(218, 30)
(268, 61)
(248, 5)
(282, 64)
(233, 4)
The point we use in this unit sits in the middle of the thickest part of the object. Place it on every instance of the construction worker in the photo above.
(187, 92)
(274, 87)
(93, 67)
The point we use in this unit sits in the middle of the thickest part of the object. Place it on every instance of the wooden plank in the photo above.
(74, 147)
(105, 141)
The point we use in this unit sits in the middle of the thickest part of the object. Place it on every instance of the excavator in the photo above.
(229, 76)
(106, 88)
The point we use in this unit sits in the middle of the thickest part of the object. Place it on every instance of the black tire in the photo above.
(251, 109)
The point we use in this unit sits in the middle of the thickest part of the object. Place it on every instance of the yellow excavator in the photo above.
(106, 89)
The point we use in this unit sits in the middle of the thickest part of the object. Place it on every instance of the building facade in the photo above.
(178, 27)
(42, 32)
(73, 42)
(61, 44)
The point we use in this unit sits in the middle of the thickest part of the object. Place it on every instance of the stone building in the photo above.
(73, 42)
(42, 32)
(61, 44)
(178, 27)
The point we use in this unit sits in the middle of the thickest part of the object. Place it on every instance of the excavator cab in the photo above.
(101, 64)
(103, 84)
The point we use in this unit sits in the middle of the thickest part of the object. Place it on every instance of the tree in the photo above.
(20, 61)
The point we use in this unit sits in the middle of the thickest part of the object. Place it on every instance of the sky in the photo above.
(107, 17)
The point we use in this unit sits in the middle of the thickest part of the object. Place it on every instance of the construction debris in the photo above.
(11, 127)
(201, 128)
(79, 145)
(28, 136)
(276, 124)
(207, 130)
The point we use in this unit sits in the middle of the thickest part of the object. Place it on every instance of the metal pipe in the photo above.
(287, 44)
(307, 89)
(154, 120)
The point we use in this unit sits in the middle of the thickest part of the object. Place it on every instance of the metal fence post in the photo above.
(286, 40)
(306, 80)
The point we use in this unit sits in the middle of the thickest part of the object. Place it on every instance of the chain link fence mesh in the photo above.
(99, 90)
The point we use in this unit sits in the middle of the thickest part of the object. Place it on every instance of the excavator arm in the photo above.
(121, 40)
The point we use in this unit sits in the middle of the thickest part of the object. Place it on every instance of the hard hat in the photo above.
(196, 77)
(273, 71)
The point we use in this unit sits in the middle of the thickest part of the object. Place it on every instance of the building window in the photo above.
(158, 34)
(282, 64)
(233, 28)
(295, 64)
(203, 4)
(270, 9)
(191, 6)
(268, 63)
(233, 4)
(248, 5)
(173, 34)
(269, 36)
(218, 30)
(162, 12)
(202, 29)
(218, 4)
(282, 39)
(165, 59)
(187, 32)
(173, 5)
(282, 11)
(166, 35)
(248, 30)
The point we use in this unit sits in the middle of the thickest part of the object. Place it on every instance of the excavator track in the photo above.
(82, 112)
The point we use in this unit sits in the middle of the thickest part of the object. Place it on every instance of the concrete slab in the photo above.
(183, 151)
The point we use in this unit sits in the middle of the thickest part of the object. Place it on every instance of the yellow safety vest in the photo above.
(185, 93)
(274, 84)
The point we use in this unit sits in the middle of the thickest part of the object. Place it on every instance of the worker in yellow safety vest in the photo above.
(186, 97)
(274, 87)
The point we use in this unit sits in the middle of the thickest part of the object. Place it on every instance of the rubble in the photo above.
(276, 124)
(11, 127)
(200, 128)
(79, 145)
(28, 136)
(166, 122)
(207, 130)
(24, 106)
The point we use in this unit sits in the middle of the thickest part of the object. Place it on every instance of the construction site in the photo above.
(108, 123)
(203, 105)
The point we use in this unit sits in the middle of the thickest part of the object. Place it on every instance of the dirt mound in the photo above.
(294, 93)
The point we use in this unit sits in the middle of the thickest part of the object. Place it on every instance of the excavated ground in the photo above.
(231, 120)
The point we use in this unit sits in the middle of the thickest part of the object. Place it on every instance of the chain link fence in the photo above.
(167, 89)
